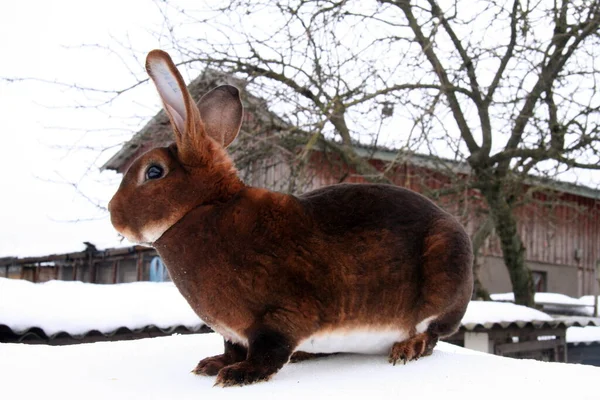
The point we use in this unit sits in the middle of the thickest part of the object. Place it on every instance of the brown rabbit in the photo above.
(346, 268)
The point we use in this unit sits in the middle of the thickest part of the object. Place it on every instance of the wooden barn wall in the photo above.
(103, 271)
(559, 229)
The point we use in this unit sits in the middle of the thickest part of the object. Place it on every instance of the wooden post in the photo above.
(92, 271)
(115, 271)
(595, 291)
(479, 341)
(75, 271)
(56, 271)
(583, 277)
(140, 264)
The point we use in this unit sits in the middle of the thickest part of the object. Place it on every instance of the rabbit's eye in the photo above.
(154, 172)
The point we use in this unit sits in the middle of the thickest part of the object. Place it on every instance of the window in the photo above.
(540, 281)
(158, 271)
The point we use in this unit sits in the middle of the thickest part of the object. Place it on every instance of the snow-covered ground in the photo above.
(159, 369)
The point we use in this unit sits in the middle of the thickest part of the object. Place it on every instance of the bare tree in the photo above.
(510, 88)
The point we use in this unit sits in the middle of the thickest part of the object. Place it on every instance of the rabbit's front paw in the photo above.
(243, 373)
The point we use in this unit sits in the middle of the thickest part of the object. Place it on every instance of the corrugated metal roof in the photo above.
(563, 322)
(37, 335)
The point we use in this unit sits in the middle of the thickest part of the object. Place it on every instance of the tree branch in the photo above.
(549, 72)
(440, 71)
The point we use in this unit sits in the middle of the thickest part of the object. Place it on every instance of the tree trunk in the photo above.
(479, 290)
(478, 239)
(513, 250)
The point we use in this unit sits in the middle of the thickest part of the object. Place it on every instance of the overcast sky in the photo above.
(42, 131)
(45, 133)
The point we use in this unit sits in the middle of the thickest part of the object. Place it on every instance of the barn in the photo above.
(558, 222)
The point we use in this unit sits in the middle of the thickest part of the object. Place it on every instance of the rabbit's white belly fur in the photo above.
(343, 340)
(353, 341)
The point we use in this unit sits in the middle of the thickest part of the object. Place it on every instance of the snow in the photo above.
(556, 303)
(481, 312)
(542, 298)
(583, 335)
(587, 300)
(77, 307)
(159, 369)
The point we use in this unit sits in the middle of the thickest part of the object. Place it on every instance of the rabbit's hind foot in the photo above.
(418, 346)
(268, 351)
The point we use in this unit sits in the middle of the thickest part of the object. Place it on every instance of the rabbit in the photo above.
(359, 268)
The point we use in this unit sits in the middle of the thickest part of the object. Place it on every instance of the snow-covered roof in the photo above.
(587, 335)
(556, 303)
(77, 308)
(159, 369)
(486, 312)
(490, 314)
(543, 298)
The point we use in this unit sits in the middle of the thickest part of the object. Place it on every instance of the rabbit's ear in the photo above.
(178, 102)
(221, 111)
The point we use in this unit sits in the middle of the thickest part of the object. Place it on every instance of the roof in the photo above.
(36, 335)
(537, 324)
(46, 313)
(48, 310)
(484, 316)
(157, 132)
(555, 303)
(439, 163)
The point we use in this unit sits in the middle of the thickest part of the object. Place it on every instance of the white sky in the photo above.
(34, 41)
(42, 134)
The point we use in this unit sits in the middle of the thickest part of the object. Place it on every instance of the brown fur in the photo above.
(269, 270)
